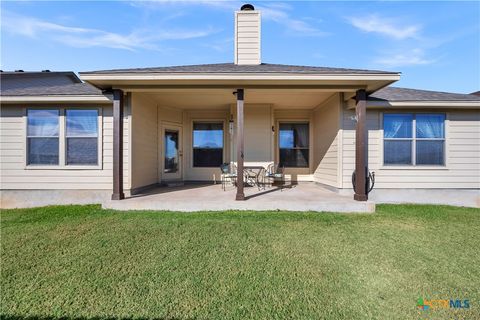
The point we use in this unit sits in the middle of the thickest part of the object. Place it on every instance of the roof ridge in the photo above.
(234, 68)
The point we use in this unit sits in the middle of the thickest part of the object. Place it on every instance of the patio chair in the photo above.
(274, 172)
(228, 174)
(252, 178)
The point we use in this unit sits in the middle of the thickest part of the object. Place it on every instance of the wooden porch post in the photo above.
(118, 145)
(240, 146)
(361, 147)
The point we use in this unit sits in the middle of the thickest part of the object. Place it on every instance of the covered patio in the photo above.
(210, 197)
(184, 122)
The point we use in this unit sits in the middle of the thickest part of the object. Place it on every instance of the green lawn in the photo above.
(83, 262)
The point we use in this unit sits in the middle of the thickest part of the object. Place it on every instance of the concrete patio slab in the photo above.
(211, 197)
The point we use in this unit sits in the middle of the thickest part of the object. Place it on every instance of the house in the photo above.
(115, 133)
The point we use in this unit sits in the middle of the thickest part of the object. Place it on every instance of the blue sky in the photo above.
(436, 45)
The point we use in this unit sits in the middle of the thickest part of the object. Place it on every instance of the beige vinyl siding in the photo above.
(247, 37)
(258, 134)
(462, 168)
(327, 133)
(14, 174)
(144, 141)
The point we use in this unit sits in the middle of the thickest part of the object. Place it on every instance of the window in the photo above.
(43, 137)
(81, 137)
(294, 145)
(414, 139)
(63, 137)
(207, 144)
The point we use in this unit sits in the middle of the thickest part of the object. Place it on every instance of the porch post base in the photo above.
(240, 197)
(118, 196)
(360, 197)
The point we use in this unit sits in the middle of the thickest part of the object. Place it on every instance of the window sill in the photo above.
(77, 167)
(413, 168)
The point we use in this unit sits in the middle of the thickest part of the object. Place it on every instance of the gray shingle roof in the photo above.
(233, 68)
(61, 90)
(405, 94)
(44, 84)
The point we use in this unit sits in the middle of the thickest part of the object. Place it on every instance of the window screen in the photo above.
(414, 139)
(81, 137)
(42, 137)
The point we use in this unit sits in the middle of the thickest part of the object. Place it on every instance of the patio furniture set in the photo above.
(258, 176)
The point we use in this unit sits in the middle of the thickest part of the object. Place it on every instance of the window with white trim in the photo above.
(293, 144)
(207, 144)
(63, 137)
(43, 136)
(414, 139)
(81, 137)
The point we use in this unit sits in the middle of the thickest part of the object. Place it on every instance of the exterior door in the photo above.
(171, 159)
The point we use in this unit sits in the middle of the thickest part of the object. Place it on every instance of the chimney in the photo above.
(247, 36)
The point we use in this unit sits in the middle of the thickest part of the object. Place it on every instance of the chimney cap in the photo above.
(247, 7)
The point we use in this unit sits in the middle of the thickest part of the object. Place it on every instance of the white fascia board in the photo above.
(416, 104)
(423, 104)
(237, 76)
(46, 99)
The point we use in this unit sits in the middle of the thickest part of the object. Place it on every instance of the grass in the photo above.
(82, 262)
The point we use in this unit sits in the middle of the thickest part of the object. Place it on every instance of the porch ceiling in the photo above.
(223, 98)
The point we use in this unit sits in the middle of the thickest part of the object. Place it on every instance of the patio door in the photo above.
(171, 157)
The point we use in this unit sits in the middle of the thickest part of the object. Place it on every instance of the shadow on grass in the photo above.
(20, 317)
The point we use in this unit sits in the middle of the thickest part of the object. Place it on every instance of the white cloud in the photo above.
(278, 13)
(223, 45)
(413, 57)
(87, 37)
(159, 4)
(407, 46)
(274, 11)
(386, 26)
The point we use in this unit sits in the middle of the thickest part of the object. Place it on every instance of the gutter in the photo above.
(440, 104)
(235, 76)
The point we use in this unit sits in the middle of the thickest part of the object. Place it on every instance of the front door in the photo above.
(172, 153)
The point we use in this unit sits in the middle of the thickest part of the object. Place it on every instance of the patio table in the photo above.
(256, 170)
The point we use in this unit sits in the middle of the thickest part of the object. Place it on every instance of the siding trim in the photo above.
(341, 105)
